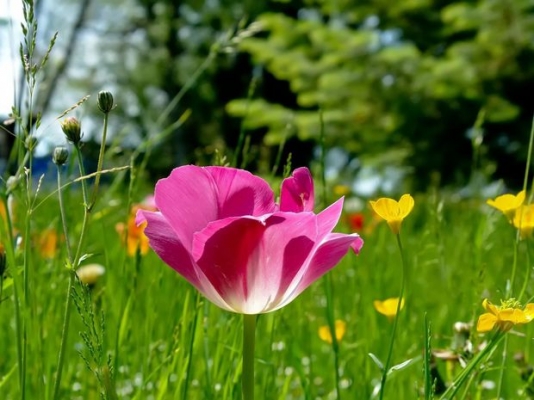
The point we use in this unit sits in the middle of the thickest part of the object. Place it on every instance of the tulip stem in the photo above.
(247, 375)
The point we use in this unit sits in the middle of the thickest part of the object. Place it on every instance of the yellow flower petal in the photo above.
(340, 328)
(513, 315)
(508, 203)
(523, 219)
(504, 317)
(406, 204)
(388, 307)
(491, 308)
(392, 211)
(486, 322)
(529, 312)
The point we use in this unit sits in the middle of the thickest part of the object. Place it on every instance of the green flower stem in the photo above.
(527, 274)
(529, 155)
(100, 161)
(72, 277)
(247, 375)
(464, 375)
(510, 288)
(395, 321)
(503, 365)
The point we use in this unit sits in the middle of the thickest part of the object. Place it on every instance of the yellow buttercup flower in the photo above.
(505, 316)
(388, 307)
(508, 203)
(341, 190)
(340, 328)
(392, 211)
(524, 220)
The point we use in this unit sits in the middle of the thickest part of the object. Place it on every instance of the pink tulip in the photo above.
(221, 229)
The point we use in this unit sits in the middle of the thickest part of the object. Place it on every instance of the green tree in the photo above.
(401, 82)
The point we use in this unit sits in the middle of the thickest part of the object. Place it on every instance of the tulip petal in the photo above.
(325, 257)
(241, 193)
(165, 243)
(208, 194)
(297, 192)
(251, 262)
(328, 218)
(188, 200)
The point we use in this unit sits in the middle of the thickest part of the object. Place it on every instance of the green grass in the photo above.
(156, 323)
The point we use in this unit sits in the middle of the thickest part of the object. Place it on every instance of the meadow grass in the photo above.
(165, 341)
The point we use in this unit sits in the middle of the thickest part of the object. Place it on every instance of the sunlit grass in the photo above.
(457, 256)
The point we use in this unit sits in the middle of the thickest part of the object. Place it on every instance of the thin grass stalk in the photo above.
(192, 345)
(466, 372)
(426, 360)
(385, 372)
(328, 280)
(10, 253)
(241, 137)
(72, 277)
(332, 327)
(503, 367)
(527, 273)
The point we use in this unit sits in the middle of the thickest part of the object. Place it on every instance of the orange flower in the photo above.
(134, 236)
(48, 243)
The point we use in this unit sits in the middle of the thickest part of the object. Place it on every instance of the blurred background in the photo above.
(409, 94)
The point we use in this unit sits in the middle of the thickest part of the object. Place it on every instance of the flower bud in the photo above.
(72, 128)
(60, 155)
(30, 143)
(90, 274)
(12, 183)
(105, 101)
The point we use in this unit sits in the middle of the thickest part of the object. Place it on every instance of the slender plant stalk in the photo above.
(332, 327)
(249, 340)
(466, 372)
(526, 281)
(72, 277)
(426, 360)
(241, 137)
(395, 320)
(327, 279)
(191, 345)
(100, 161)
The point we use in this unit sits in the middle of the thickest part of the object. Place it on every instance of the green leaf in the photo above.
(377, 361)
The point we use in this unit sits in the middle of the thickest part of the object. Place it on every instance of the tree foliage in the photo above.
(402, 81)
